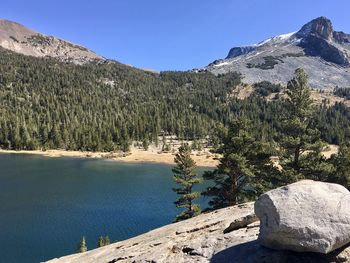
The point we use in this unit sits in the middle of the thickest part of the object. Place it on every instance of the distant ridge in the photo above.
(316, 47)
(20, 39)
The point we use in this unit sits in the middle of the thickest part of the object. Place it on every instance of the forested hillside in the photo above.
(103, 107)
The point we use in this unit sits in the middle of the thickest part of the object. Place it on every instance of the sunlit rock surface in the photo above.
(225, 235)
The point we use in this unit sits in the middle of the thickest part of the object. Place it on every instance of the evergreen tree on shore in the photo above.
(107, 241)
(100, 242)
(103, 241)
(185, 176)
(82, 245)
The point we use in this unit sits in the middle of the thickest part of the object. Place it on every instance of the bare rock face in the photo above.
(306, 216)
(223, 236)
(195, 240)
(321, 27)
(238, 51)
(319, 39)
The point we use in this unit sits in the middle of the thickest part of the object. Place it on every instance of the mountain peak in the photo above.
(321, 27)
(316, 47)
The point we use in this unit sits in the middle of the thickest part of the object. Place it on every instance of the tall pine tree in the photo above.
(244, 164)
(185, 176)
(300, 142)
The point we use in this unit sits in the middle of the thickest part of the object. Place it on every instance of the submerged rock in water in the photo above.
(306, 216)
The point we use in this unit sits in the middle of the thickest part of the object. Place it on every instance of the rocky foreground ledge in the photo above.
(225, 235)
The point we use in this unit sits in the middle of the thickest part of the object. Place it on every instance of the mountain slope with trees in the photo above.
(101, 107)
(47, 104)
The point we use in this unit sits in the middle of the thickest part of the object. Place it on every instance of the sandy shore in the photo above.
(153, 155)
(136, 155)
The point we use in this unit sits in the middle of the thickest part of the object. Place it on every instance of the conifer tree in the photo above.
(82, 245)
(100, 242)
(300, 141)
(185, 176)
(242, 168)
(341, 162)
(145, 144)
(297, 121)
(107, 241)
(103, 241)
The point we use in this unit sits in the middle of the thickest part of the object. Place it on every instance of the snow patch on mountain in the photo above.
(279, 38)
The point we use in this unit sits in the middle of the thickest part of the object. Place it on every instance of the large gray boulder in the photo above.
(306, 216)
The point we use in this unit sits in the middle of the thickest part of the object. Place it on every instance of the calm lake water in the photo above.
(47, 204)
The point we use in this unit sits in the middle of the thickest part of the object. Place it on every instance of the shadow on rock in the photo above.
(252, 252)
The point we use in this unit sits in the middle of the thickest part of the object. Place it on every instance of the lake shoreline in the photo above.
(135, 155)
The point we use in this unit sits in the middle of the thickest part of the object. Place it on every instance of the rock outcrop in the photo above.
(238, 51)
(320, 27)
(223, 236)
(306, 216)
(319, 39)
(193, 240)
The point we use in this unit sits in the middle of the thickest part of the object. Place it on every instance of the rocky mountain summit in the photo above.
(309, 217)
(20, 39)
(316, 47)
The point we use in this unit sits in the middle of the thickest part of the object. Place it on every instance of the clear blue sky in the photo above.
(170, 35)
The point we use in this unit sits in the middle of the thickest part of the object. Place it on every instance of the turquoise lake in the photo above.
(48, 204)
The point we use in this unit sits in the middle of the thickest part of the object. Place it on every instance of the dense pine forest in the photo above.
(46, 104)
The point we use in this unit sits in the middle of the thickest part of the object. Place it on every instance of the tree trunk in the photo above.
(296, 157)
(233, 198)
(190, 203)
